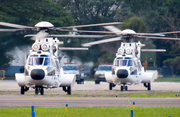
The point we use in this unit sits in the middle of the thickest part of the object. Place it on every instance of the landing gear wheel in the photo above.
(36, 91)
(122, 88)
(22, 90)
(110, 86)
(26, 88)
(41, 90)
(97, 82)
(69, 90)
(64, 89)
(78, 81)
(126, 88)
(149, 86)
(82, 81)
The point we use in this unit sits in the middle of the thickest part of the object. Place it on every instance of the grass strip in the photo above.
(91, 112)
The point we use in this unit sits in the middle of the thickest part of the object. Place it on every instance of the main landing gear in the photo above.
(24, 89)
(111, 85)
(37, 90)
(124, 87)
(67, 89)
(148, 86)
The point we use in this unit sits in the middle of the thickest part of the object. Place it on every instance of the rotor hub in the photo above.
(44, 24)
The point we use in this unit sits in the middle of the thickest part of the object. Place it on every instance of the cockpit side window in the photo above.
(117, 62)
(30, 61)
(47, 61)
(130, 63)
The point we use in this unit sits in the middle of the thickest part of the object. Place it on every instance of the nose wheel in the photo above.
(124, 87)
(39, 90)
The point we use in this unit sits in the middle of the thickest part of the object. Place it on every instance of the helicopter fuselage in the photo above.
(127, 68)
(42, 68)
(129, 71)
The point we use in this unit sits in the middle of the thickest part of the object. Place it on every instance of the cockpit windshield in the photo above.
(123, 62)
(105, 68)
(39, 61)
(70, 68)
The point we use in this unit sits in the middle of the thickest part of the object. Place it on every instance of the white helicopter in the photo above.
(127, 68)
(42, 68)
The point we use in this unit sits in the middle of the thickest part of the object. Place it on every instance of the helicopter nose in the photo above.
(37, 74)
(122, 73)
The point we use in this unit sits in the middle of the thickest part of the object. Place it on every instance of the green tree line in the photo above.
(153, 16)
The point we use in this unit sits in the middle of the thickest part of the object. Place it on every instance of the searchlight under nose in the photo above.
(37, 74)
(122, 73)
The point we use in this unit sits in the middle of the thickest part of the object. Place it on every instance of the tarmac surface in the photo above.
(54, 98)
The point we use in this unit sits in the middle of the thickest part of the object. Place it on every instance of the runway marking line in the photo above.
(80, 98)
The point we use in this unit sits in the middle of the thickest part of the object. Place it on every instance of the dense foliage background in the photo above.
(142, 16)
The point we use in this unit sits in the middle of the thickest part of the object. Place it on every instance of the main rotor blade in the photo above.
(14, 25)
(40, 35)
(89, 25)
(153, 50)
(107, 32)
(75, 36)
(169, 32)
(101, 41)
(166, 38)
(69, 48)
(9, 30)
(79, 36)
(112, 29)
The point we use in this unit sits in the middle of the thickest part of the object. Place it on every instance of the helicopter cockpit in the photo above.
(35, 60)
(123, 62)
